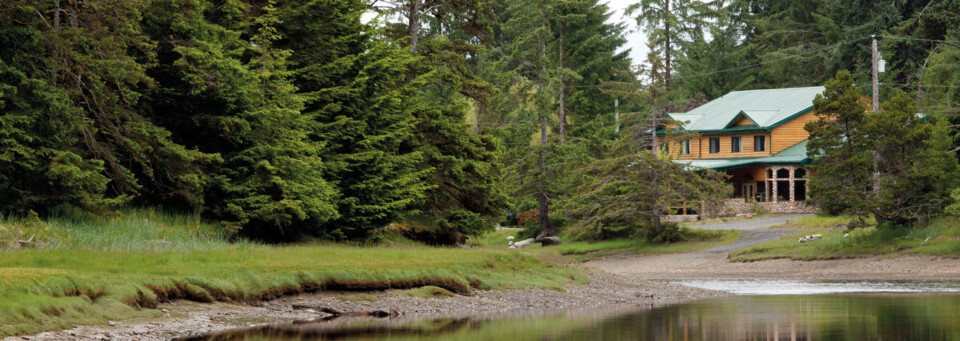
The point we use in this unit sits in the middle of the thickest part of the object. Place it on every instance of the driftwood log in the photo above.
(545, 241)
(338, 313)
(22, 243)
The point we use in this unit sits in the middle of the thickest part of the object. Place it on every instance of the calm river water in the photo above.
(887, 314)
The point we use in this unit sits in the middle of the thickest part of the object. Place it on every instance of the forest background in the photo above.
(302, 119)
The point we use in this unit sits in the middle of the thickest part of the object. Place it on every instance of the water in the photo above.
(798, 287)
(880, 315)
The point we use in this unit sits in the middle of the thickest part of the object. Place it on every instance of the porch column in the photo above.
(773, 188)
(792, 170)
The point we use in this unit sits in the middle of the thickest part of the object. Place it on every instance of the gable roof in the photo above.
(795, 154)
(683, 119)
(767, 108)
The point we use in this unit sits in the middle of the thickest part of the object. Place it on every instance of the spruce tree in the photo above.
(357, 90)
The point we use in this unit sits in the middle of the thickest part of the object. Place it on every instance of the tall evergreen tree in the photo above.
(96, 55)
(357, 89)
(839, 148)
(672, 24)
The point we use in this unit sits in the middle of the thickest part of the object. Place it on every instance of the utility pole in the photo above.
(876, 108)
(876, 78)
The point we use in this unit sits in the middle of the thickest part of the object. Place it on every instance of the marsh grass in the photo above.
(940, 238)
(92, 269)
(133, 229)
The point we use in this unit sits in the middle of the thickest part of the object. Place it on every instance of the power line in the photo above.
(805, 54)
(925, 86)
(922, 39)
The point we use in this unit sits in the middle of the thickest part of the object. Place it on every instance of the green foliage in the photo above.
(893, 164)
(839, 149)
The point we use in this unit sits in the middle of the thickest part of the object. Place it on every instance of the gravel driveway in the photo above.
(752, 231)
(713, 263)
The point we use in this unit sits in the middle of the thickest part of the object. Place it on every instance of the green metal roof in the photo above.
(767, 108)
(795, 154)
(684, 119)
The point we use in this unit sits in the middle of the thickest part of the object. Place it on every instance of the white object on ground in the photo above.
(521, 243)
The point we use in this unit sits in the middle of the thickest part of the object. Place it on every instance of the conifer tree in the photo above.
(839, 149)
(672, 24)
(357, 90)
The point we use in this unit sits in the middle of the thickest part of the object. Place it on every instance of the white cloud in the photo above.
(636, 39)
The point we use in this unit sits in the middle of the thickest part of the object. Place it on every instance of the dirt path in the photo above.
(713, 263)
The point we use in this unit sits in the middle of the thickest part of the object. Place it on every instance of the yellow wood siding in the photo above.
(676, 149)
(742, 121)
(739, 174)
(791, 133)
(700, 149)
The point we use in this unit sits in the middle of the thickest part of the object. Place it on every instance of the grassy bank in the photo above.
(88, 271)
(583, 250)
(939, 238)
(820, 222)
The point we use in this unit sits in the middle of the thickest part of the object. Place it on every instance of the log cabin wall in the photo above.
(790, 133)
(700, 149)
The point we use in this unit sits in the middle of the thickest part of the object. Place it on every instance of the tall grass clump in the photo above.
(131, 229)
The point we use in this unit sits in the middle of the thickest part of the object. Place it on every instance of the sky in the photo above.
(636, 40)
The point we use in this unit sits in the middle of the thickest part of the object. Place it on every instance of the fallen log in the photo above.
(338, 313)
(520, 244)
(545, 241)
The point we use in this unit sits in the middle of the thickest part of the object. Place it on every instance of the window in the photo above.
(685, 147)
(736, 143)
(714, 145)
(759, 143)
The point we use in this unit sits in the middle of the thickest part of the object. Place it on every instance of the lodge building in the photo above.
(757, 137)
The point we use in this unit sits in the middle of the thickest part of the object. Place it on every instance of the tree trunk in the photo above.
(414, 24)
(563, 90)
(480, 104)
(543, 218)
(666, 48)
(655, 181)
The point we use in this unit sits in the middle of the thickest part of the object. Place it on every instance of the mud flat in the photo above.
(185, 318)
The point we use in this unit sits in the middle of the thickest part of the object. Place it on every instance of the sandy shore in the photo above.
(184, 318)
(713, 265)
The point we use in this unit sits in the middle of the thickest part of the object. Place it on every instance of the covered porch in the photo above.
(769, 183)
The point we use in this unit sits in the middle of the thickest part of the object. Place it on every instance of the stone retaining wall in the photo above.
(679, 218)
(787, 207)
(735, 206)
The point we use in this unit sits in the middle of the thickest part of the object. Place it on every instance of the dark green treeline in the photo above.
(281, 119)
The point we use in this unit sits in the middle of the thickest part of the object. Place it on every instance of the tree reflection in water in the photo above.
(785, 317)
